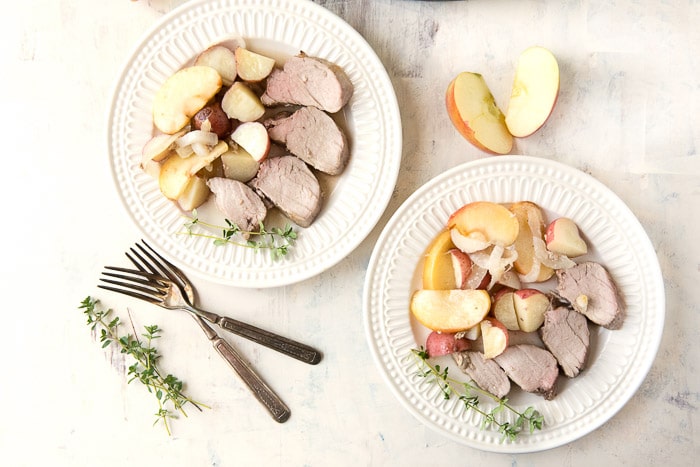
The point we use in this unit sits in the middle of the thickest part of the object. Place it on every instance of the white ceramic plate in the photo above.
(354, 202)
(618, 360)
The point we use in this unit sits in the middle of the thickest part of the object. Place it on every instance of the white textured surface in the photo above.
(627, 114)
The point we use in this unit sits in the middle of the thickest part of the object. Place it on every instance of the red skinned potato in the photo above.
(444, 343)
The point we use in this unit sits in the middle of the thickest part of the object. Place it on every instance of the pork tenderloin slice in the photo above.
(238, 203)
(565, 333)
(485, 372)
(313, 136)
(308, 81)
(590, 290)
(532, 368)
(291, 186)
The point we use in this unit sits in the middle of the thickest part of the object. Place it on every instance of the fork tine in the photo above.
(169, 269)
(145, 298)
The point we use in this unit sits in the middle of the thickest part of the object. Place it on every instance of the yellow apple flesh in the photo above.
(450, 310)
(485, 221)
(474, 113)
(534, 93)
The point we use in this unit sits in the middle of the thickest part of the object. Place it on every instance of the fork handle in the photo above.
(269, 339)
(277, 408)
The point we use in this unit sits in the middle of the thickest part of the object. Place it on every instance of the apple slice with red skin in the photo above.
(494, 336)
(563, 237)
(474, 113)
(534, 92)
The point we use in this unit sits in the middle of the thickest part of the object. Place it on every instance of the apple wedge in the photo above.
(182, 95)
(253, 137)
(531, 225)
(450, 310)
(241, 103)
(563, 237)
(176, 171)
(474, 113)
(438, 269)
(251, 66)
(534, 93)
(222, 59)
(485, 221)
(494, 336)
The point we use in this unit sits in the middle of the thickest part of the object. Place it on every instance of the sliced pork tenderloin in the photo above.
(308, 81)
(313, 136)
(532, 368)
(565, 333)
(289, 184)
(590, 290)
(485, 372)
(238, 203)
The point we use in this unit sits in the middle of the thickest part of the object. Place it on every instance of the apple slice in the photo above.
(530, 307)
(253, 66)
(241, 103)
(531, 225)
(563, 237)
(253, 137)
(473, 111)
(159, 147)
(504, 309)
(444, 343)
(494, 336)
(485, 221)
(450, 310)
(182, 95)
(534, 93)
(220, 58)
(438, 269)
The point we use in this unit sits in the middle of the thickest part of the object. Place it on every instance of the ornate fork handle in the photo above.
(272, 402)
(284, 345)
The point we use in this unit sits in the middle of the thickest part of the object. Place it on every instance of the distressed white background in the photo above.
(627, 114)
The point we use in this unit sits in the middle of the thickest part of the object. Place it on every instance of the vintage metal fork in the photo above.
(158, 281)
(165, 285)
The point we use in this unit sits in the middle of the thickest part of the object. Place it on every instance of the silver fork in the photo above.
(148, 283)
(175, 291)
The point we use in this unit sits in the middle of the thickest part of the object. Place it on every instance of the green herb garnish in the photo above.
(166, 389)
(276, 240)
(469, 396)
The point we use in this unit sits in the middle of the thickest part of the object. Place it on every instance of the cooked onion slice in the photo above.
(550, 259)
(497, 260)
(206, 138)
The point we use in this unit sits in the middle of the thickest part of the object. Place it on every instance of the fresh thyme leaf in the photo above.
(470, 398)
(277, 240)
(166, 389)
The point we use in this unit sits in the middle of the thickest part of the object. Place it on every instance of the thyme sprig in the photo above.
(277, 240)
(469, 394)
(166, 389)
